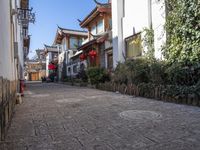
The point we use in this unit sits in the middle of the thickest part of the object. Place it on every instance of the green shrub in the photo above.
(157, 72)
(183, 31)
(182, 74)
(65, 79)
(140, 71)
(82, 75)
(97, 75)
(121, 74)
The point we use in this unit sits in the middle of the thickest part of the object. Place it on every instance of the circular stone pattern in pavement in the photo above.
(140, 115)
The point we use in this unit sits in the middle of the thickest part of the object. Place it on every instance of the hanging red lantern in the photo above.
(51, 67)
(82, 57)
(92, 54)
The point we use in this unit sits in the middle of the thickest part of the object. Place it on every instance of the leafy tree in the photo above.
(183, 31)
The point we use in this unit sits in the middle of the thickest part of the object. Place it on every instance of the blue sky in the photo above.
(50, 13)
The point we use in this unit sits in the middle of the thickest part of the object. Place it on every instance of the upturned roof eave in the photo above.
(62, 31)
(58, 35)
(93, 14)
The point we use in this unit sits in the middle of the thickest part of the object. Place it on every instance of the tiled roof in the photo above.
(71, 30)
(62, 31)
(95, 10)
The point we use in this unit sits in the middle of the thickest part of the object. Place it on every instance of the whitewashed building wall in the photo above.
(132, 16)
(7, 62)
(158, 22)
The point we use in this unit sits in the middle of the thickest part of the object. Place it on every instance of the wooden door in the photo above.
(35, 76)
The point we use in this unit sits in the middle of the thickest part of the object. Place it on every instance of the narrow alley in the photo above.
(60, 117)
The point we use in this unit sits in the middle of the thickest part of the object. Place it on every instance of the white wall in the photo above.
(19, 39)
(6, 48)
(10, 32)
(136, 16)
(47, 63)
(158, 22)
(129, 16)
(117, 14)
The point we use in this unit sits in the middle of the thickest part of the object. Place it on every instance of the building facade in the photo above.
(98, 46)
(36, 69)
(15, 16)
(129, 19)
(67, 41)
(51, 54)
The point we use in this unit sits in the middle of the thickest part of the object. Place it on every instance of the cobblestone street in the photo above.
(61, 117)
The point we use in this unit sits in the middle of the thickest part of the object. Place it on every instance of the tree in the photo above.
(183, 31)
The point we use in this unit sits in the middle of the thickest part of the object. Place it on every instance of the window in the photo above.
(100, 27)
(93, 30)
(75, 70)
(80, 42)
(73, 42)
(134, 46)
(110, 61)
(25, 31)
(64, 44)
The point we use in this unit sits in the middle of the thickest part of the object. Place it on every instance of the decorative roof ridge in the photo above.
(74, 30)
(48, 46)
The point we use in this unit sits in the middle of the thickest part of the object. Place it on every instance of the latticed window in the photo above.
(73, 42)
(134, 46)
(100, 27)
(93, 30)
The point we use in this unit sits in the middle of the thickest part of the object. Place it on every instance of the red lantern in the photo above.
(51, 67)
(92, 54)
(82, 57)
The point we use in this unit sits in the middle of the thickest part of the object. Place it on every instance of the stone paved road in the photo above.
(61, 117)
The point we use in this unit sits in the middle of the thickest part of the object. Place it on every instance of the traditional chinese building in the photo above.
(98, 47)
(51, 53)
(68, 41)
(36, 69)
